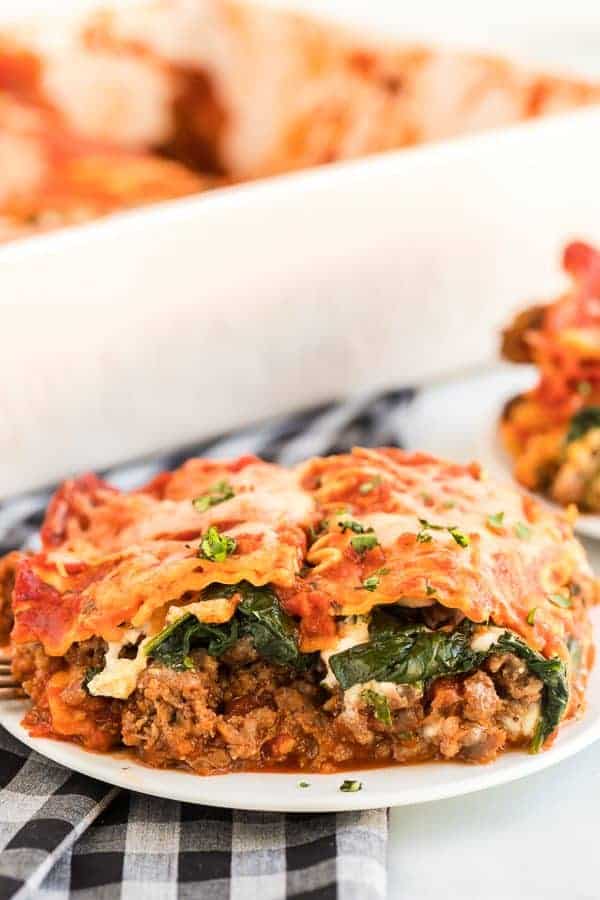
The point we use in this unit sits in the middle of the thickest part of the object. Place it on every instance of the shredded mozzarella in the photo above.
(485, 638)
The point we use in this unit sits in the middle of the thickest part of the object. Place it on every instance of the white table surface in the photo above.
(534, 839)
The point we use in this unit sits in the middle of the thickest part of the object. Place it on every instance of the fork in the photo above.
(10, 689)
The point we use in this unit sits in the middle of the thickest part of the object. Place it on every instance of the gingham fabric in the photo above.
(67, 837)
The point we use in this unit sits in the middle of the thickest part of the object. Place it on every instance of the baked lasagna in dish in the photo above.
(153, 101)
(375, 607)
(553, 431)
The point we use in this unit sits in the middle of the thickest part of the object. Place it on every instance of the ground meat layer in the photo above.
(62, 706)
(241, 713)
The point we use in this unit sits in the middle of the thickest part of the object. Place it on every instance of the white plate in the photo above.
(390, 786)
(459, 419)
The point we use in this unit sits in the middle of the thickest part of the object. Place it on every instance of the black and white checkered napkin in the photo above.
(63, 835)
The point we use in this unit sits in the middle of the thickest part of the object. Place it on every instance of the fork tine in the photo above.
(12, 693)
(4, 657)
(8, 680)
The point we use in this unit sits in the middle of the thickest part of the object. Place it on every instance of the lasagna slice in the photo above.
(553, 431)
(373, 607)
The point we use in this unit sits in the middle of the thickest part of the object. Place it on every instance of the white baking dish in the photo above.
(172, 323)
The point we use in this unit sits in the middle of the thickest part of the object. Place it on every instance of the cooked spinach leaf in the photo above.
(409, 653)
(553, 675)
(272, 630)
(258, 615)
(173, 644)
(406, 654)
(582, 422)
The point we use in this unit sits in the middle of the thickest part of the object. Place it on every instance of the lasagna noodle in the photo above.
(112, 559)
(517, 555)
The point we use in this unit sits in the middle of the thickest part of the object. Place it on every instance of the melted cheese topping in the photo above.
(441, 533)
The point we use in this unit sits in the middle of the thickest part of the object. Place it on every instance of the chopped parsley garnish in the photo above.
(522, 531)
(531, 616)
(448, 504)
(424, 536)
(429, 589)
(496, 520)
(365, 539)
(219, 492)
(380, 706)
(372, 582)
(584, 388)
(216, 546)
(350, 787)
(460, 537)
(353, 525)
(363, 542)
(303, 784)
(562, 600)
(368, 486)
(430, 525)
